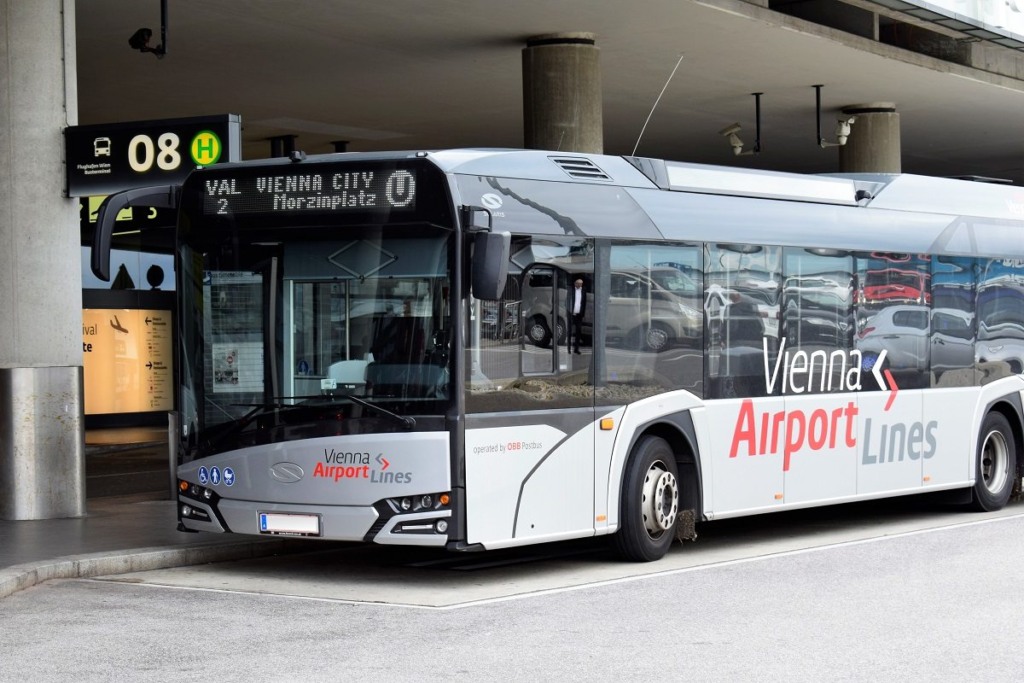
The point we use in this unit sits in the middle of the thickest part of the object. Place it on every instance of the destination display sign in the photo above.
(337, 189)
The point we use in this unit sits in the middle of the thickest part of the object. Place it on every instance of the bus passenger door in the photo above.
(530, 405)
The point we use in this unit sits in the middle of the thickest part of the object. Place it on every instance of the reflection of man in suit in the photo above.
(576, 306)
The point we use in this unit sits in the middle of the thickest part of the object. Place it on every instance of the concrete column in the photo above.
(874, 143)
(562, 93)
(42, 472)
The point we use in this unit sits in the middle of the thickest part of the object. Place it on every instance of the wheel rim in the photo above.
(657, 338)
(538, 332)
(660, 502)
(995, 462)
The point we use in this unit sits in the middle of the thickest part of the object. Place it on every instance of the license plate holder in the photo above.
(289, 524)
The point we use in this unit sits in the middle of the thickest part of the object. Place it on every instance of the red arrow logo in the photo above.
(893, 389)
(888, 383)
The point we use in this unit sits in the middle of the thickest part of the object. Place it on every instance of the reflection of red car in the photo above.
(895, 286)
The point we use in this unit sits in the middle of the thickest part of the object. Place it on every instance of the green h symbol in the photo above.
(205, 147)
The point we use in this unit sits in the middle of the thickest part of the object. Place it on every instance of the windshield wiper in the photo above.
(244, 421)
(311, 401)
(258, 409)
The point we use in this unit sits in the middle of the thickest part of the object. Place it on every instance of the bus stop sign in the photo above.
(107, 158)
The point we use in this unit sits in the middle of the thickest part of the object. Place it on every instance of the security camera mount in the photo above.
(732, 131)
(140, 39)
(842, 125)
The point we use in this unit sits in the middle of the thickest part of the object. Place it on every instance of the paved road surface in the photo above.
(861, 593)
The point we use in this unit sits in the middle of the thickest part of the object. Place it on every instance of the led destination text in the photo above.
(365, 190)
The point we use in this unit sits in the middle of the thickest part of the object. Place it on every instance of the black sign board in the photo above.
(107, 158)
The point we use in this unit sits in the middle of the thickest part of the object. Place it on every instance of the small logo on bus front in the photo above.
(286, 472)
(491, 200)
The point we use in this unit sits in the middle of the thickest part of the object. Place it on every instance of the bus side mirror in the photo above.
(490, 264)
(162, 196)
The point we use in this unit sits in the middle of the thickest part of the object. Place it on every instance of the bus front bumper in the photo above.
(328, 522)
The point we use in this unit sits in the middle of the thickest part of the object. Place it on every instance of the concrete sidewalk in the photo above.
(117, 534)
(124, 534)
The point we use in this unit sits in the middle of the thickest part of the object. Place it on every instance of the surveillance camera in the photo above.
(737, 144)
(730, 130)
(140, 39)
(843, 129)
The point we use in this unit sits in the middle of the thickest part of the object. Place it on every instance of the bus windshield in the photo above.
(315, 335)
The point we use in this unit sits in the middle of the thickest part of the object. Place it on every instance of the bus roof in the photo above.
(899, 192)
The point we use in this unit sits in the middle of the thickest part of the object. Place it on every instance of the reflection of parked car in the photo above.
(1001, 322)
(945, 342)
(647, 308)
(832, 328)
(819, 292)
(500, 323)
(893, 285)
(741, 315)
(818, 310)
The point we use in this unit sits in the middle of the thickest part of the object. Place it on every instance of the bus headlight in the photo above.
(420, 503)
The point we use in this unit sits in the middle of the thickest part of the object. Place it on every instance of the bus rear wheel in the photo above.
(649, 507)
(996, 464)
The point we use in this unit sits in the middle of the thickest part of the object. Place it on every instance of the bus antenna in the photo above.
(663, 89)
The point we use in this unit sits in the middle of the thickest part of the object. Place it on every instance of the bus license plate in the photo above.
(286, 524)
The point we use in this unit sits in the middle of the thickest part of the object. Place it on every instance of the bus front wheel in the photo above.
(996, 464)
(649, 507)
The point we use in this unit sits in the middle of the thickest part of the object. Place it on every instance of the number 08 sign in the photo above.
(102, 159)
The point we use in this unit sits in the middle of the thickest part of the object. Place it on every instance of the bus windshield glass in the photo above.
(306, 337)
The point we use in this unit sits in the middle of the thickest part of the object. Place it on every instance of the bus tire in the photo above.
(649, 509)
(996, 464)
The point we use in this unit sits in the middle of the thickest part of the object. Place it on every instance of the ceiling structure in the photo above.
(412, 74)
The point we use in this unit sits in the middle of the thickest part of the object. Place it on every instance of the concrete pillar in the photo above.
(874, 142)
(42, 445)
(562, 93)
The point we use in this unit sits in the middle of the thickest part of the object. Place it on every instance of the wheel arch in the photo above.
(678, 431)
(1011, 407)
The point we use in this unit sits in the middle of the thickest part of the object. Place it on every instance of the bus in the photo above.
(341, 379)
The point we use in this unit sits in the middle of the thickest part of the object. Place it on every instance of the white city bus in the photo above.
(344, 377)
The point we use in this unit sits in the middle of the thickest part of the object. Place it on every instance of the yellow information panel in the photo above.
(127, 355)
